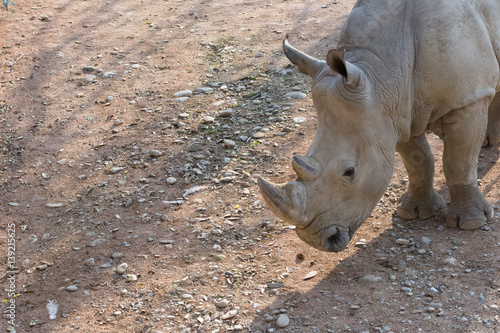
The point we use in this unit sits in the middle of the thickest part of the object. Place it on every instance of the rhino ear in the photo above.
(351, 73)
(305, 63)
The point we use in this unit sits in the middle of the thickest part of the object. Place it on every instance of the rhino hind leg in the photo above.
(468, 208)
(493, 131)
(420, 200)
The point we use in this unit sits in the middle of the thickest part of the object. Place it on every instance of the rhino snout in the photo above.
(333, 239)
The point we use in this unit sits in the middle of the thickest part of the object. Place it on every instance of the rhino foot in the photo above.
(469, 219)
(417, 205)
(491, 139)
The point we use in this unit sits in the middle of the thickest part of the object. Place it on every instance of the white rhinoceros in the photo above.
(402, 67)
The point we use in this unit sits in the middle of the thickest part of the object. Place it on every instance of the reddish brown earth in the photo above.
(79, 184)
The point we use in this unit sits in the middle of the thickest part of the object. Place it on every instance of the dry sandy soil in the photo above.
(101, 165)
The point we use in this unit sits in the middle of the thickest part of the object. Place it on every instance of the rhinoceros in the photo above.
(400, 69)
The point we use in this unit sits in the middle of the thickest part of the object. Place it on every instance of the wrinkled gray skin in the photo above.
(401, 68)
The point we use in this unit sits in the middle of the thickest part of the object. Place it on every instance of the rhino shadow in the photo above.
(382, 285)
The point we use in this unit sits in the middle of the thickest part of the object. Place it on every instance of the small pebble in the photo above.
(89, 78)
(89, 262)
(371, 278)
(283, 320)
(425, 240)
(229, 143)
(226, 113)
(117, 255)
(131, 277)
(299, 120)
(258, 135)
(402, 241)
(183, 93)
(73, 287)
(155, 153)
(296, 95)
(108, 75)
(120, 269)
(208, 120)
(171, 180)
(187, 296)
(204, 90)
(229, 315)
(220, 257)
(222, 304)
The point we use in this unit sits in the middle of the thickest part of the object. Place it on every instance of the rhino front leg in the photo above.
(420, 200)
(493, 131)
(464, 131)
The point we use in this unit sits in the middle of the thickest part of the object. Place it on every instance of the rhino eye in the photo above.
(349, 172)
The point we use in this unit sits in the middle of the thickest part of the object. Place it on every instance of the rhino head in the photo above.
(350, 161)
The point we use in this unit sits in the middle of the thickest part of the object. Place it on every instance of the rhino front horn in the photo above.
(306, 168)
(286, 201)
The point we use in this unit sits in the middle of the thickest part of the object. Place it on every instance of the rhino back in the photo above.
(427, 57)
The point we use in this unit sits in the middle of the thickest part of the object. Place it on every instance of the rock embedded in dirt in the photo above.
(229, 143)
(120, 269)
(258, 135)
(117, 255)
(220, 257)
(73, 287)
(131, 277)
(299, 120)
(155, 153)
(171, 180)
(224, 303)
(296, 95)
(283, 320)
(402, 241)
(425, 240)
(229, 315)
(88, 69)
(226, 113)
(310, 275)
(371, 278)
(89, 78)
(208, 119)
(89, 262)
(183, 93)
(204, 90)
(110, 74)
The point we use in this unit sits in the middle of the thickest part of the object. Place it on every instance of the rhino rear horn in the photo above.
(286, 201)
(306, 168)
(305, 63)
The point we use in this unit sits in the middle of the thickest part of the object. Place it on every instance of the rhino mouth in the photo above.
(333, 238)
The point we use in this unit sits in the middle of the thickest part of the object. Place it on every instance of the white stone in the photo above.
(299, 120)
(121, 268)
(371, 278)
(283, 320)
(229, 143)
(402, 241)
(425, 240)
(183, 93)
(73, 287)
(296, 95)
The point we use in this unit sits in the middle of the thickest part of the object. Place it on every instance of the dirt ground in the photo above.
(102, 166)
